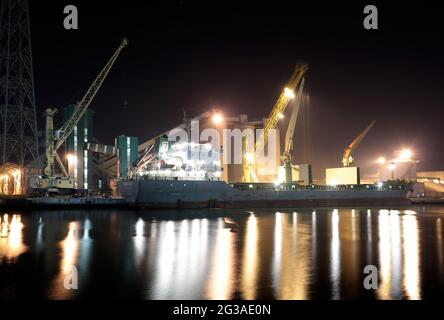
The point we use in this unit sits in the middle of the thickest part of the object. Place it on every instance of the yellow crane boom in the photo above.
(281, 104)
(276, 114)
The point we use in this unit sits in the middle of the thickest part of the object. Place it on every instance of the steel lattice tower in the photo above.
(18, 123)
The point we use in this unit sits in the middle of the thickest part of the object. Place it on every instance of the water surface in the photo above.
(217, 254)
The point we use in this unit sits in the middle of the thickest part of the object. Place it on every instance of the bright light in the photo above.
(289, 93)
(436, 181)
(72, 159)
(380, 184)
(281, 116)
(406, 154)
(333, 183)
(381, 160)
(218, 118)
(392, 167)
(277, 183)
(249, 157)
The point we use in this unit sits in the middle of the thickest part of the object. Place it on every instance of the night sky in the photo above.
(221, 54)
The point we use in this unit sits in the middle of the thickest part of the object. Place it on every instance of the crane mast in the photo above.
(273, 120)
(66, 130)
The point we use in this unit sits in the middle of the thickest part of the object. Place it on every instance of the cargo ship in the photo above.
(191, 194)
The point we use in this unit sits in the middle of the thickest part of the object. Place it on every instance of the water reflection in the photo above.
(11, 241)
(221, 275)
(411, 280)
(250, 260)
(291, 257)
(298, 254)
(68, 263)
(399, 255)
(335, 255)
(439, 249)
(389, 255)
(277, 254)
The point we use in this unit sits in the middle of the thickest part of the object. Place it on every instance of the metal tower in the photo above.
(18, 123)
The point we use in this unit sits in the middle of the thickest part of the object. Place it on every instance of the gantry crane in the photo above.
(55, 141)
(272, 121)
(347, 158)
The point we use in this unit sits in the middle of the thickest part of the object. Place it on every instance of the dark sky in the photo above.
(237, 57)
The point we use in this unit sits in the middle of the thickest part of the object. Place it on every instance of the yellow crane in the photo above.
(276, 114)
(347, 158)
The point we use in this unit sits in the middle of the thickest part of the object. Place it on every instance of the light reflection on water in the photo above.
(11, 238)
(250, 259)
(297, 254)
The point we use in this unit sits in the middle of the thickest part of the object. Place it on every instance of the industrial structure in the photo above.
(84, 164)
(80, 162)
(50, 181)
(18, 124)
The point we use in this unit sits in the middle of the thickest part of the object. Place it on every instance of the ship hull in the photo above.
(218, 194)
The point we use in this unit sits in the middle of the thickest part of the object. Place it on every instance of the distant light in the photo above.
(392, 167)
(380, 184)
(250, 186)
(281, 116)
(289, 93)
(72, 159)
(436, 181)
(333, 183)
(406, 154)
(277, 183)
(249, 157)
(218, 118)
(381, 160)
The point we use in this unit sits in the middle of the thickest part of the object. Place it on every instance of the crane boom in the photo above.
(281, 104)
(67, 129)
(347, 158)
(273, 119)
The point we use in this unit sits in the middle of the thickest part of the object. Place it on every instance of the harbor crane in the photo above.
(276, 114)
(55, 140)
(347, 158)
